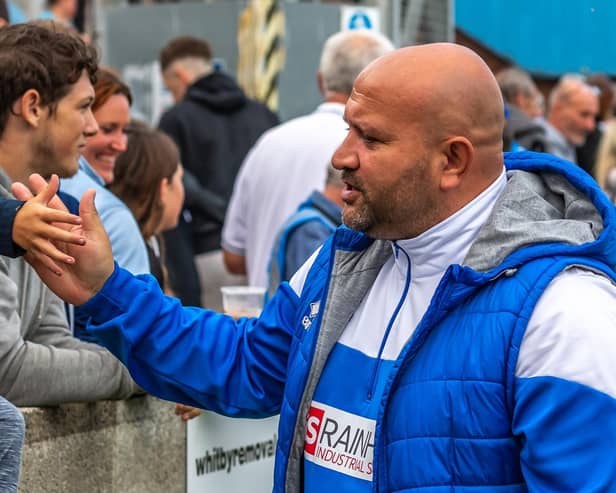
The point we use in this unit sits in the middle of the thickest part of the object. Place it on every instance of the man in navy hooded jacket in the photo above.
(214, 125)
(459, 334)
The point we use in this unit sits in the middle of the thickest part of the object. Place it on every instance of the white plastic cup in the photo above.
(242, 301)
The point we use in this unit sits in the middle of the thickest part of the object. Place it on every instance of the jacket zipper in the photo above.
(407, 285)
(405, 357)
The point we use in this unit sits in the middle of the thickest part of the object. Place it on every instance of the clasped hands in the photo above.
(71, 254)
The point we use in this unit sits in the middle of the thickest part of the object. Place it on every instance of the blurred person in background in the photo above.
(16, 14)
(4, 13)
(286, 164)
(522, 98)
(587, 153)
(306, 230)
(63, 11)
(573, 106)
(605, 167)
(148, 179)
(69, 13)
(214, 125)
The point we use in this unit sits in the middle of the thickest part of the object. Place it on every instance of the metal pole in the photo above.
(451, 35)
(412, 19)
(395, 22)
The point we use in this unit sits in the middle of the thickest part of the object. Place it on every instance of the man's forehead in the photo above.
(355, 105)
(374, 96)
(584, 97)
(365, 91)
(368, 113)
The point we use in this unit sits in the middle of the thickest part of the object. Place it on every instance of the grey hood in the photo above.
(554, 211)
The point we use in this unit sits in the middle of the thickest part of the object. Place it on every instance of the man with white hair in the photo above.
(288, 162)
(572, 108)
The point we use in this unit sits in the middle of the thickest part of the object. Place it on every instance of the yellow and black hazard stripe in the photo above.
(261, 33)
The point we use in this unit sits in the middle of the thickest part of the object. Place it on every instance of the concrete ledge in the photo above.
(132, 446)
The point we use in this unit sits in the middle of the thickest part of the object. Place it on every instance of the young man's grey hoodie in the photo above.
(41, 363)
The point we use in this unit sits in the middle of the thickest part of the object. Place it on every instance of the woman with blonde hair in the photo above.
(605, 167)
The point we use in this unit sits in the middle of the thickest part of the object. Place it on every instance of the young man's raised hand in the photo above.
(43, 217)
(93, 263)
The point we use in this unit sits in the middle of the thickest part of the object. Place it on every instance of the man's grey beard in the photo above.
(361, 220)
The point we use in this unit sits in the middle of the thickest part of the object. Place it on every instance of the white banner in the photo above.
(230, 454)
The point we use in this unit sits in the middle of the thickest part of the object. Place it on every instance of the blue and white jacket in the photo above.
(454, 415)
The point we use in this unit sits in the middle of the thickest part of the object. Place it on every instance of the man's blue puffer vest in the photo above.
(446, 415)
(445, 418)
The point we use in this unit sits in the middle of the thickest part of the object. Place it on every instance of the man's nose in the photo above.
(345, 156)
(91, 127)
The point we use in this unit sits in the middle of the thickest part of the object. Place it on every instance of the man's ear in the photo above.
(30, 108)
(458, 154)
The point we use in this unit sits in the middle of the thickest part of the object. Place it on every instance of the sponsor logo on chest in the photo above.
(340, 441)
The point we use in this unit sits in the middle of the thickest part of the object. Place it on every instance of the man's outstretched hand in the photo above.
(77, 282)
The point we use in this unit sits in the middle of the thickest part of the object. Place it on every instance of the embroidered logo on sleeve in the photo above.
(340, 441)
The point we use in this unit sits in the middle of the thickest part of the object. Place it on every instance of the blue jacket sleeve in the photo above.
(567, 435)
(564, 391)
(8, 211)
(195, 356)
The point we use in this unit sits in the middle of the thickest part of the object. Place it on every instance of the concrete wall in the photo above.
(132, 446)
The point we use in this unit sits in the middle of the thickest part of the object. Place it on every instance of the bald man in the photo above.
(458, 334)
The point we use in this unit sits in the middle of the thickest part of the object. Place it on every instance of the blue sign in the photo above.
(360, 20)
